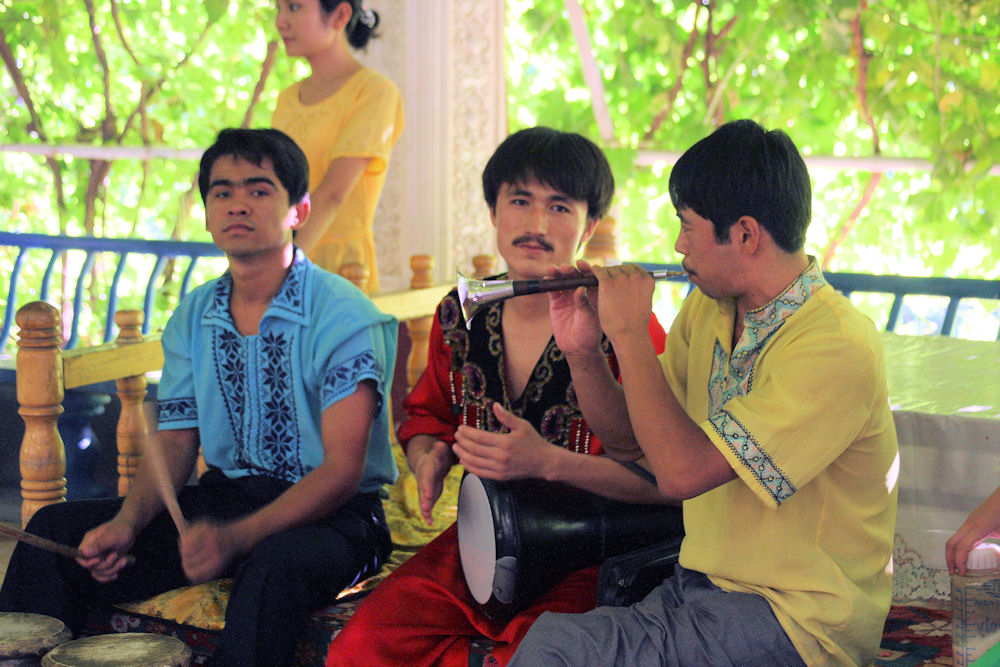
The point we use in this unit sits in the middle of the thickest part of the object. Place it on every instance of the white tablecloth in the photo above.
(945, 395)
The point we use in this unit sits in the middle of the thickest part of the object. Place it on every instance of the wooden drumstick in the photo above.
(38, 541)
(168, 494)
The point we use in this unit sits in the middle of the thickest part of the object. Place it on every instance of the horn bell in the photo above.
(473, 294)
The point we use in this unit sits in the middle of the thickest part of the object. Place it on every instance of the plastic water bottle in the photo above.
(975, 605)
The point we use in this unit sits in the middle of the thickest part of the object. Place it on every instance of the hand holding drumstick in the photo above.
(105, 549)
(167, 495)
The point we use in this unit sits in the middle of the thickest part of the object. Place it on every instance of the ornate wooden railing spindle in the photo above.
(40, 395)
(132, 430)
(603, 244)
(358, 274)
(483, 266)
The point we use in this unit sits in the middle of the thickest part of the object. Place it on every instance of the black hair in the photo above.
(565, 161)
(290, 165)
(742, 169)
(361, 27)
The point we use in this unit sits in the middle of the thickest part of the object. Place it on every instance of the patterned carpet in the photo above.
(913, 636)
(916, 636)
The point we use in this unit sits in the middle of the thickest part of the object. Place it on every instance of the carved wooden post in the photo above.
(419, 328)
(483, 266)
(603, 245)
(40, 395)
(132, 432)
(357, 273)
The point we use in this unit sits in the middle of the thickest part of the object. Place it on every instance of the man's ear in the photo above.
(588, 231)
(493, 215)
(746, 232)
(301, 212)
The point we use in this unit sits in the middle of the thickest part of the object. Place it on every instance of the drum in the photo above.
(127, 649)
(25, 638)
(518, 538)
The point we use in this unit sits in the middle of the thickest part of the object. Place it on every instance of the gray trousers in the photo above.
(687, 620)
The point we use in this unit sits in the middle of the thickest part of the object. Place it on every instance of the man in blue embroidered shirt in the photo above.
(280, 372)
(767, 415)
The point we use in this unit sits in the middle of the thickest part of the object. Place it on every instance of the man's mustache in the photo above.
(535, 239)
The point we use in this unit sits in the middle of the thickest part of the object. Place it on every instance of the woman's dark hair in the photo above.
(363, 21)
(742, 169)
(564, 161)
(254, 146)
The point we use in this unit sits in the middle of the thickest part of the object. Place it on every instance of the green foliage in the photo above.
(125, 73)
(129, 73)
(928, 79)
(174, 72)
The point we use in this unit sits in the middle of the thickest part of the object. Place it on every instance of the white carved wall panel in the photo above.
(446, 56)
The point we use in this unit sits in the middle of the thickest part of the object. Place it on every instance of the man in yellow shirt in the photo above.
(767, 415)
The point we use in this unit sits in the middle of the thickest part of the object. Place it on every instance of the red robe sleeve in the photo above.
(657, 334)
(429, 404)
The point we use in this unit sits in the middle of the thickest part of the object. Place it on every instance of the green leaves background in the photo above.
(845, 78)
(892, 78)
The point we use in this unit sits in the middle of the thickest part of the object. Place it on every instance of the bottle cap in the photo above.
(984, 556)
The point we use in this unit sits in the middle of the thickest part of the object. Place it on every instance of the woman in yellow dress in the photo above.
(346, 118)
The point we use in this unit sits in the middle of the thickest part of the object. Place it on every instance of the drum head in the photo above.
(128, 649)
(25, 635)
(476, 538)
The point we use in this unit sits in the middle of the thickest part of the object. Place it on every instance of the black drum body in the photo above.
(519, 538)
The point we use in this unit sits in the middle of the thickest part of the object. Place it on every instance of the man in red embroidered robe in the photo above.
(496, 399)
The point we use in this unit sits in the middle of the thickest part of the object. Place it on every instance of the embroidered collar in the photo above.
(288, 304)
(762, 322)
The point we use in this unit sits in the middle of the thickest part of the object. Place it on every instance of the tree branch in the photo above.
(17, 76)
(98, 168)
(714, 109)
(845, 229)
(265, 71)
(102, 59)
(121, 33)
(713, 88)
(675, 90)
(155, 87)
(861, 91)
(709, 48)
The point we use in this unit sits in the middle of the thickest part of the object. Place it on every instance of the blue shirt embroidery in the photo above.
(257, 399)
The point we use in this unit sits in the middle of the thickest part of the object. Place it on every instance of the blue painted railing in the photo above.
(57, 246)
(954, 289)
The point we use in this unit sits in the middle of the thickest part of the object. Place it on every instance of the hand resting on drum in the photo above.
(517, 454)
(522, 453)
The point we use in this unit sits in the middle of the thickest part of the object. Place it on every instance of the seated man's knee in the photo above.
(537, 647)
(282, 556)
(273, 552)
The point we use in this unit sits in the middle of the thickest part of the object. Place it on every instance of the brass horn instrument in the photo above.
(473, 294)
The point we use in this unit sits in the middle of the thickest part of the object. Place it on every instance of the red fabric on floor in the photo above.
(423, 614)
